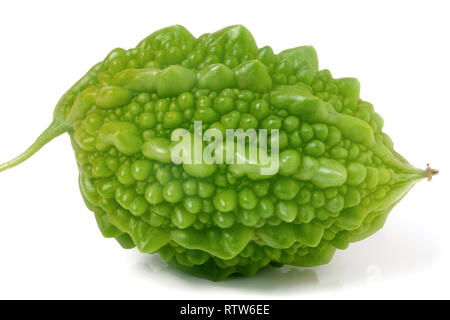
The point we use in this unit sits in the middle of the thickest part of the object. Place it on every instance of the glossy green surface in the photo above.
(339, 176)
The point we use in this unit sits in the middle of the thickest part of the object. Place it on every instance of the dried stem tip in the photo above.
(431, 172)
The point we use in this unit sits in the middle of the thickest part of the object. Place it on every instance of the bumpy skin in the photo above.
(339, 176)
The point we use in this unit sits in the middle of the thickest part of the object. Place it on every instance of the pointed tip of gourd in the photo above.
(54, 130)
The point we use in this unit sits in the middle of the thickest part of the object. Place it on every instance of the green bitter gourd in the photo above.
(338, 179)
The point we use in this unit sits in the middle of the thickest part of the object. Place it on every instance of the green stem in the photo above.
(54, 130)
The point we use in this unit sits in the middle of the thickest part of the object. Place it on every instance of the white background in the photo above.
(49, 243)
